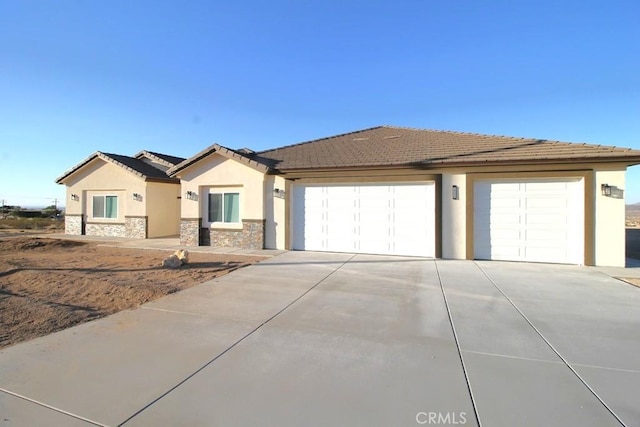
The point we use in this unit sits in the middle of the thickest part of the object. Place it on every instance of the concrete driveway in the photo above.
(336, 339)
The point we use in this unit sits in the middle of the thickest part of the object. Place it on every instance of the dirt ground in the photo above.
(47, 285)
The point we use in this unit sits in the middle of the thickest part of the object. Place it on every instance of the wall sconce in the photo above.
(75, 197)
(191, 195)
(606, 190)
(279, 193)
(455, 192)
(137, 197)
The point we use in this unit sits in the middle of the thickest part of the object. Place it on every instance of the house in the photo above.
(122, 196)
(401, 191)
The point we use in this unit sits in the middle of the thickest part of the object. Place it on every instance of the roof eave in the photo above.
(223, 151)
(149, 155)
(166, 180)
(76, 168)
(628, 161)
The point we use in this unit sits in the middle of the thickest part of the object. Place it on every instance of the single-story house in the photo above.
(401, 191)
(122, 196)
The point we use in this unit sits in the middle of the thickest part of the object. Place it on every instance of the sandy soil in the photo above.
(47, 285)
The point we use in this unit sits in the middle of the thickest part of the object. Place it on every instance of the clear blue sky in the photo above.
(174, 77)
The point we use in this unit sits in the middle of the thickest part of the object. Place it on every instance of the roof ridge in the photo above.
(486, 135)
(319, 139)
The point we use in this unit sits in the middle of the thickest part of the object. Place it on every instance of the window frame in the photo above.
(222, 192)
(104, 205)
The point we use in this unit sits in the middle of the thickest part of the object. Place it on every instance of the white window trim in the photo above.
(104, 218)
(205, 207)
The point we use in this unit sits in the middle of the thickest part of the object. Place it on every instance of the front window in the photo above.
(105, 206)
(224, 207)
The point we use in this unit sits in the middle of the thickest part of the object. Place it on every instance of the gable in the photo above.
(98, 174)
(135, 166)
(242, 156)
(216, 168)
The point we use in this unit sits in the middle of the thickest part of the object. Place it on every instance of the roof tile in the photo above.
(397, 146)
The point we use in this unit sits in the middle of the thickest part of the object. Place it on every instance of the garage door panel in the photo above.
(547, 203)
(547, 219)
(505, 235)
(504, 187)
(505, 218)
(543, 254)
(535, 220)
(386, 219)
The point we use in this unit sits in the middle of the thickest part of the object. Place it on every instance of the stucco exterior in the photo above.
(153, 213)
(454, 231)
(163, 209)
(610, 217)
(275, 211)
(219, 174)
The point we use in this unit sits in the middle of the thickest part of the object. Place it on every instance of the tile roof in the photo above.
(386, 146)
(165, 159)
(131, 164)
(244, 155)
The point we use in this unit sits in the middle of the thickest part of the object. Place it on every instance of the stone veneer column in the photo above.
(250, 237)
(136, 227)
(253, 232)
(104, 229)
(190, 231)
(73, 224)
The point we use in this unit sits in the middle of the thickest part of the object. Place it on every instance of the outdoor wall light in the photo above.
(191, 195)
(278, 192)
(75, 197)
(137, 196)
(455, 192)
(606, 190)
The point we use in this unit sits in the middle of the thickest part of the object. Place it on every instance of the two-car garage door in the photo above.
(536, 220)
(531, 220)
(392, 219)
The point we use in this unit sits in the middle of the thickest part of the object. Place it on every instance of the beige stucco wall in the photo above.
(102, 178)
(163, 209)
(274, 212)
(610, 219)
(454, 224)
(217, 170)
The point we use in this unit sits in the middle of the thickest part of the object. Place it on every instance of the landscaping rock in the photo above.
(172, 262)
(183, 255)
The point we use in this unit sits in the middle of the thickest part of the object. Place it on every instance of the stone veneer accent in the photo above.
(250, 237)
(73, 224)
(136, 227)
(190, 231)
(106, 230)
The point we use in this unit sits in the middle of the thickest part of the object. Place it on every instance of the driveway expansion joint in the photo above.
(457, 341)
(232, 346)
(565, 361)
(53, 408)
(508, 356)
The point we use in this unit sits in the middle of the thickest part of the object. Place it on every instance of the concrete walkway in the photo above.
(163, 243)
(339, 339)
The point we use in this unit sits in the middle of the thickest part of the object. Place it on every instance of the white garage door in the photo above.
(377, 219)
(537, 221)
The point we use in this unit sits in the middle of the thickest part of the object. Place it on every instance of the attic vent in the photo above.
(246, 151)
(361, 139)
(392, 137)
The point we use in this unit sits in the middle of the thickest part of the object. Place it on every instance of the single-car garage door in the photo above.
(394, 219)
(533, 220)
